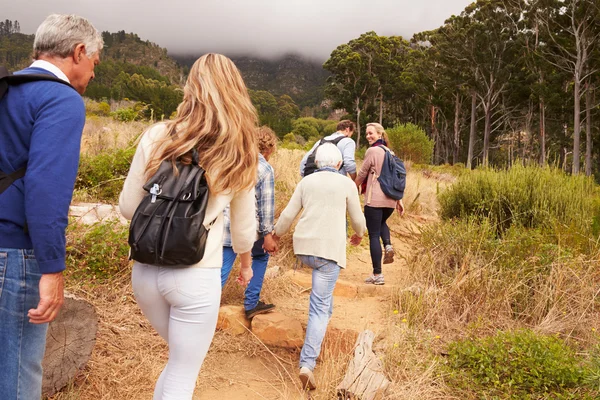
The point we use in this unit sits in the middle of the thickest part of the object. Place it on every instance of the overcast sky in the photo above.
(261, 27)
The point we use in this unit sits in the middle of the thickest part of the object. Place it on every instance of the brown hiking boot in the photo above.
(388, 257)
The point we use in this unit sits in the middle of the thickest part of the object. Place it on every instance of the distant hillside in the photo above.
(129, 48)
(15, 50)
(293, 75)
(121, 47)
(130, 68)
(126, 55)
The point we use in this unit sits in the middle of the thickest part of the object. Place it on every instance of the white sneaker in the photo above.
(308, 379)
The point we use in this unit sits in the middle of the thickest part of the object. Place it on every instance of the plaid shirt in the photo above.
(265, 202)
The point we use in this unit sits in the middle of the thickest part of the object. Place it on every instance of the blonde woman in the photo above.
(378, 207)
(217, 118)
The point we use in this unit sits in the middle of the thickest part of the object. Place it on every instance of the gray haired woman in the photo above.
(320, 242)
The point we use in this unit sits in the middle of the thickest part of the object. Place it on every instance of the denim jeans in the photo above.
(22, 343)
(260, 259)
(183, 306)
(324, 276)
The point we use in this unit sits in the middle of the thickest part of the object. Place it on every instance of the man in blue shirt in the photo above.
(40, 129)
(347, 147)
(265, 215)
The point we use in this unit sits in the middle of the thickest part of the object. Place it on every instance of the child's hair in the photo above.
(266, 139)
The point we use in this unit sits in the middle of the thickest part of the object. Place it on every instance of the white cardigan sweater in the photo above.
(324, 197)
(243, 205)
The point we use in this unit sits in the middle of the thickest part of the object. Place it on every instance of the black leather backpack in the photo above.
(167, 228)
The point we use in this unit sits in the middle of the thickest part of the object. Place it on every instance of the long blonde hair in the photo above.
(379, 129)
(216, 117)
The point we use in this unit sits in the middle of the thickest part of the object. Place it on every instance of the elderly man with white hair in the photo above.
(40, 135)
(324, 197)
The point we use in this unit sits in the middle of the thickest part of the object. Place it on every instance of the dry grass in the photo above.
(104, 133)
(446, 291)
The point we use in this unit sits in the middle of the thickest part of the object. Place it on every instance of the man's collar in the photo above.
(48, 66)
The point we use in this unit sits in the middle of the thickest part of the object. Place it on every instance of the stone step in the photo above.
(343, 288)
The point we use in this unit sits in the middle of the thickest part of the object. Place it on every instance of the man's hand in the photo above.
(52, 297)
(355, 240)
(270, 245)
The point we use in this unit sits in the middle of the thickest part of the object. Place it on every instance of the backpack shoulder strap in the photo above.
(7, 78)
(8, 179)
(3, 82)
(337, 140)
(387, 150)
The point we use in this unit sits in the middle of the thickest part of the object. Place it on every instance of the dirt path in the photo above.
(245, 377)
(129, 355)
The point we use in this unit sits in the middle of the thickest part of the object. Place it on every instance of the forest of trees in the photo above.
(502, 81)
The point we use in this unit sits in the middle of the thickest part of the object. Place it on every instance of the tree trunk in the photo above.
(588, 129)
(69, 343)
(435, 136)
(576, 125)
(381, 108)
(472, 132)
(486, 132)
(456, 142)
(364, 379)
(542, 132)
(357, 124)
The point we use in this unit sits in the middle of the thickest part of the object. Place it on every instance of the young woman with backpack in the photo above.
(217, 119)
(378, 206)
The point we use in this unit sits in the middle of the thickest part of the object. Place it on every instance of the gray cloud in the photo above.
(267, 28)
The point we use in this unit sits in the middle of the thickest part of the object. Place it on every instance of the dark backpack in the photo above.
(167, 228)
(392, 178)
(7, 79)
(311, 165)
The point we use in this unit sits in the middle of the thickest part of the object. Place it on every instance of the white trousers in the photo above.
(183, 306)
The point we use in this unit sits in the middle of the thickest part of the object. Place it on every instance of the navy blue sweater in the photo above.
(40, 127)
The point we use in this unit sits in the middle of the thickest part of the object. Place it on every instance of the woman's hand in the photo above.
(245, 275)
(246, 269)
(400, 207)
(355, 240)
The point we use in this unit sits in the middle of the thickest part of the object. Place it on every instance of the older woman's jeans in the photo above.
(324, 276)
(183, 306)
(22, 342)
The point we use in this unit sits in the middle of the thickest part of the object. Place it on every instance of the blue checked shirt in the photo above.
(265, 202)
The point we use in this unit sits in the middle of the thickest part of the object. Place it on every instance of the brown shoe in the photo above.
(388, 258)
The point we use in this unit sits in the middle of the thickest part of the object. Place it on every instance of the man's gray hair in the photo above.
(328, 155)
(59, 34)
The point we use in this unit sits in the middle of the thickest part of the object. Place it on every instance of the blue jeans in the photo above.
(324, 276)
(260, 259)
(22, 342)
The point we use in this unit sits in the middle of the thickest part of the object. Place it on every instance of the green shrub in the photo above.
(519, 365)
(410, 142)
(97, 251)
(102, 175)
(305, 130)
(126, 114)
(531, 197)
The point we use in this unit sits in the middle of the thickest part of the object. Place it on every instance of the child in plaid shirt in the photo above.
(265, 244)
